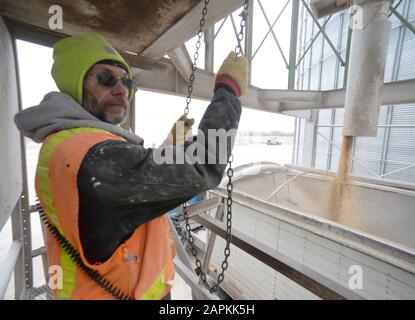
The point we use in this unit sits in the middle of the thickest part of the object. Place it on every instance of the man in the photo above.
(104, 195)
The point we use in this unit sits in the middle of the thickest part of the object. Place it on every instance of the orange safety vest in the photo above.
(141, 267)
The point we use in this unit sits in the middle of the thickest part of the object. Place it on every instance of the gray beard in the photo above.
(90, 104)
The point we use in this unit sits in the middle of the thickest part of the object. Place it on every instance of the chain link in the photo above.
(229, 186)
(195, 57)
(243, 15)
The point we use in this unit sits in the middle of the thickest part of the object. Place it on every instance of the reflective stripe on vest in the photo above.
(56, 185)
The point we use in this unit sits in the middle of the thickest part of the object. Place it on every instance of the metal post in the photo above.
(248, 39)
(317, 112)
(293, 43)
(209, 49)
(368, 54)
(346, 64)
(294, 153)
(25, 226)
(309, 124)
(20, 283)
(336, 85)
(298, 123)
(389, 115)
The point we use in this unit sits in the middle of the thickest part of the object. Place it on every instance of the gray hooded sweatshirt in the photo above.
(59, 111)
(121, 184)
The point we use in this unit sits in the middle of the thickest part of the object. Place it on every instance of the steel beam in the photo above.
(188, 26)
(220, 27)
(160, 76)
(322, 8)
(323, 32)
(348, 47)
(293, 44)
(203, 206)
(389, 115)
(164, 80)
(395, 7)
(210, 49)
(312, 41)
(405, 22)
(181, 59)
(249, 29)
(394, 93)
(21, 223)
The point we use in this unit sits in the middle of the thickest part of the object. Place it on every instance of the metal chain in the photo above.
(195, 57)
(244, 15)
(229, 186)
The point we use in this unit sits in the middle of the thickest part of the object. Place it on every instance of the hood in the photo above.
(59, 111)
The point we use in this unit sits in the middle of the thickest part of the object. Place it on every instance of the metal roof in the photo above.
(129, 25)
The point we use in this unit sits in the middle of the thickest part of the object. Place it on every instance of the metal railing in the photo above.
(309, 279)
(17, 261)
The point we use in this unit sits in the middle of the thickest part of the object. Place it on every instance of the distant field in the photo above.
(260, 151)
(250, 140)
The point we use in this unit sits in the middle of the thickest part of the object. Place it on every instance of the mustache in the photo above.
(117, 101)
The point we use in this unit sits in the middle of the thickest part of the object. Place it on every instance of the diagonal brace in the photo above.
(273, 34)
(312, 41)
(269, 31)
(324, 33)
(402, 19)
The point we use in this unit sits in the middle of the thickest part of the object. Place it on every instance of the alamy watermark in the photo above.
(56, 20)
(210, 146)
(55, 277)
(213, 148)
(356, 278)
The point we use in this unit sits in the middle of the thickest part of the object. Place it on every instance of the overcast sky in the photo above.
(156, 113)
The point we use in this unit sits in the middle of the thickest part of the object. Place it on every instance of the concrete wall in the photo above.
(10, 154)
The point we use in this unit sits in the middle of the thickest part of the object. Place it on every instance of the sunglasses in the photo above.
(108, 80)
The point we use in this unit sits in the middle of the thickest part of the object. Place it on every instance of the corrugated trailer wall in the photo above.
(394, 146)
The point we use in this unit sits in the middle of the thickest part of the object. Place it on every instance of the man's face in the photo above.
(109, 104)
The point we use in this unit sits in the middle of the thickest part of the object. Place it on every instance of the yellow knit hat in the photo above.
(74, 56)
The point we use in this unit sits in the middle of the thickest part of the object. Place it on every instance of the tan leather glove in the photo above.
(234, 74)
(181, 131)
